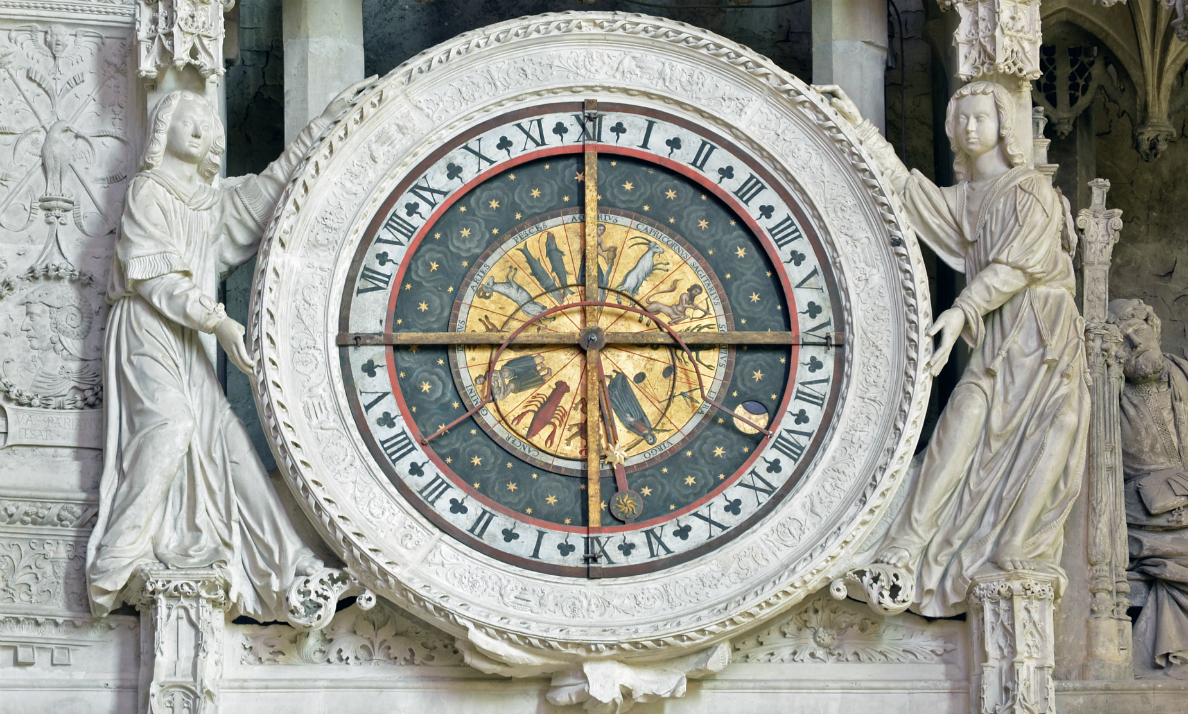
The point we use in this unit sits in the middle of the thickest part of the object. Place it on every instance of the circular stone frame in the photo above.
(804, 542)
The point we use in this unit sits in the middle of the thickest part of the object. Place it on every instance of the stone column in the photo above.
(850, 50)
(183, 613)
(1108, 654)
(1012, 640)
(323, 56)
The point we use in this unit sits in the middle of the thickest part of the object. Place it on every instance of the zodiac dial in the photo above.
(591, 340)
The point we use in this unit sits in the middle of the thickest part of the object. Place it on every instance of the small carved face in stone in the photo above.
(976, 127)
(38, 326)
(57, 39)
(1141, 354)
(191, 132)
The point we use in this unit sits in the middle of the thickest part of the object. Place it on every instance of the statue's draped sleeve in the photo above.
(159, 269)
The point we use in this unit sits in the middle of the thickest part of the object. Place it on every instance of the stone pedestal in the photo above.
(183, 615)
(1010, 616)
(850, 50)
(323, 56)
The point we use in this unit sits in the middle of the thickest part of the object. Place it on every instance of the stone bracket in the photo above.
(1010, 616)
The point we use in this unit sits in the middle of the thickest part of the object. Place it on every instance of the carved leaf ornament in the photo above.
(500, 612)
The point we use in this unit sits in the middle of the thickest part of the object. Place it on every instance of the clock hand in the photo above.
(593, 438)
(626, 505)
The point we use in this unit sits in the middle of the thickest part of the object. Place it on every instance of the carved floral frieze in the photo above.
(380, 636)
(826, 631)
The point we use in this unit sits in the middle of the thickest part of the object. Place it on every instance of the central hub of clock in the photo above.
(592, 338)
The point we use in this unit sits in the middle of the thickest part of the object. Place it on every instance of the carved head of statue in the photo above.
(186, 126)
(58, 40)
(1141, 354)
(981, 118)
(57, 317)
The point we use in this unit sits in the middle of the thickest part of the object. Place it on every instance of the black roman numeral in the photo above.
(539, 539)
(789, 446)
(477, 151)
(805, 393)
(398, 446)
(480, 524)
(398, 227)
(367, 407)
(655, 542)
(751, 188)
(805, 282)
(427, 193)
(766, 489)
(434, 490)
(647, 134)
(709, 519)
(703, 154)
(785, 232)
(375, 279)
(818, 328)
(584, 126)
(533, 126)
(596, 546)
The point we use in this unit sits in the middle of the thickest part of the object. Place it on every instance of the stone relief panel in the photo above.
(64, 126)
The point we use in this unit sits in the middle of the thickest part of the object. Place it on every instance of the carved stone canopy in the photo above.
(510, 619)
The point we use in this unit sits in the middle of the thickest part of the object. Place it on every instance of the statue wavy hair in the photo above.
(162, 117)
(1005, 105)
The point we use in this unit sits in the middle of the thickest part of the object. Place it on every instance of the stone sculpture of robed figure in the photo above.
(182, 484)
(1004, 465)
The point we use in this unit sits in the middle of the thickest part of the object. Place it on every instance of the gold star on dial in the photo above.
(703, 224)
(476, 460)
(567, 521)
(565, 198)
(408, 286)
(628, 185)
(689, 481)
(422, 307)
(536, 193)
(741, 252)
(476, 484)
(754, 297)
(432, 266)
(494, 204)
(441, 361)
(437, 235)
(495, 231)
(647, 207)
(551, 500)
(518, 218)
(462, 209)
(465, 232)
(718, 451)
(670, 194)
(579, 177)
(512, 177)
(645, 491)
(512, 487)
(528, 511)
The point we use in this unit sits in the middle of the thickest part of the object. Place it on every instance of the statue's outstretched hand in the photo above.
(339, 104)
(230, 334)
(841, 102)
(948, 326)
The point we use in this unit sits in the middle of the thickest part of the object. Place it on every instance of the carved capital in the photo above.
(1013, 642)
(178, 33)
(997, 37)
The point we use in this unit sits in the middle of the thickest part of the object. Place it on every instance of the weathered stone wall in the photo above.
(1151, 259)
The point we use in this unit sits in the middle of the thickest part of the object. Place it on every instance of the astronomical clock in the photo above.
(591, 337)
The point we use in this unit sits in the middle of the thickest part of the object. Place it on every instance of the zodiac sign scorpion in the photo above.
(547, 411)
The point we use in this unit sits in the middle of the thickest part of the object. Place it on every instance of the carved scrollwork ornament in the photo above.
(886, 589)
(510, 586)
(312, 600)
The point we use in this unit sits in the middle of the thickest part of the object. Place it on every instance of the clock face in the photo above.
(475, 360)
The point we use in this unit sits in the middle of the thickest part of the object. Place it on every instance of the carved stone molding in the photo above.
(1010, 619)
(183, 616)
(379, 637)
(45, 513)
(42, 575)
(311, 600)
(176, 33)
(997, 37)
(825, 631)
(62, 636)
